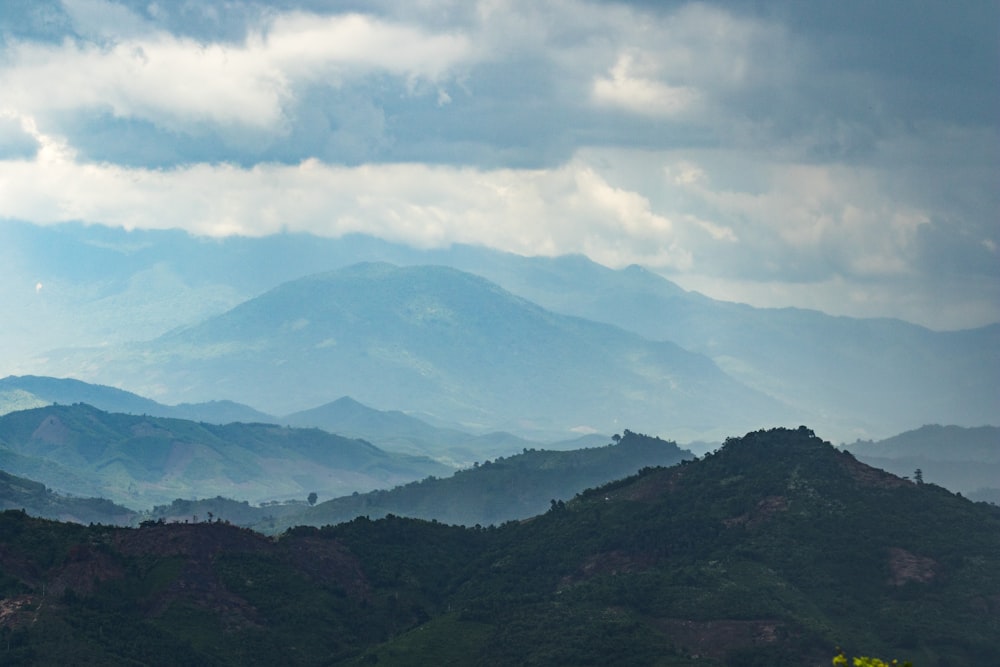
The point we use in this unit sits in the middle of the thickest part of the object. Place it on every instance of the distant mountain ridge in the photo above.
(851, 378)
(961, 459)
(390, 430)
(143, 460)
(29, 391)
(441, 341)
(399, 432)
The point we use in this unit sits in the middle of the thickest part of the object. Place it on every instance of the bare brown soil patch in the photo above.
(905, 566)
(765, 508)
(869, 476)
(716, 639)
(52, 431)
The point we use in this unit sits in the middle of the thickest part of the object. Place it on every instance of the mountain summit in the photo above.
(446, 343)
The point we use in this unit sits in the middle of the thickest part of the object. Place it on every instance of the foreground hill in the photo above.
(772, 551)
(966, 460)
(516, 487)
(443, 342)
(142, 460)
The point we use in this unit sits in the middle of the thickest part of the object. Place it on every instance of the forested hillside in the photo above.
(773, 551)
(140, 460)
(515, 487)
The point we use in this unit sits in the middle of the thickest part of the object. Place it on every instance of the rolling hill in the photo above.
(399, 432)
(774, 551)
(29, 391)
(142, 460)
(505, 489)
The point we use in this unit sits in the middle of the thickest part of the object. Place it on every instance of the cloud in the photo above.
(637, 94)
(177, 82)
(755, 150)
(569, 209)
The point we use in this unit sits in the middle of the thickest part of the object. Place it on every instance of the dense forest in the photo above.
(774, 550)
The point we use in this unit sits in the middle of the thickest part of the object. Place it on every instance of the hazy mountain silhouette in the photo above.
(850, 377)
(966, 460)
(440, 341)
(29, 391)
(142, 460)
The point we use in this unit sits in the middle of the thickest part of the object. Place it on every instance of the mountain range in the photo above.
(966, 460)
(391, 430)
(442, 342)
(70, 287)
(775, 550)
(140, 460)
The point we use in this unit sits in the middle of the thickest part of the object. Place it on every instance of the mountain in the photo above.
(29, 391)
(775, 550)
(516, 487)
(439, 341)
(106, 287)
(37, 500)
(399, 432)
(966, 460)
(142, 460)
(879, 376)
(936, 443)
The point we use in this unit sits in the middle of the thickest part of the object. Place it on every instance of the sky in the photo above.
(838, 154)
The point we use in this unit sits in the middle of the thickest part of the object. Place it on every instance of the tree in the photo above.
(312, 498)
(918, 475)
(841, 660)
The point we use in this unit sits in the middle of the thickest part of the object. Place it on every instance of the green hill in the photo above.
(37, 500)
(30, 391)
(504, 489)
(773, 551)
(143, 460)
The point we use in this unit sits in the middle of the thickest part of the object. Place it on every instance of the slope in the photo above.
(505, 489)
(444, 342)
(772, 551)
(880, 376)
(966, 460)
(29, 391)
(142, 460)
(37, 500)
(399, 432)
(106, 286)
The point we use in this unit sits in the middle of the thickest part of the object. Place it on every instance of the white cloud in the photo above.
(175, 81)
(811, 179)
(641, 95)
(569, 209)
(835, 219)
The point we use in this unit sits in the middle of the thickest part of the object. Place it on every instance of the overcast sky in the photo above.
(842, 155)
